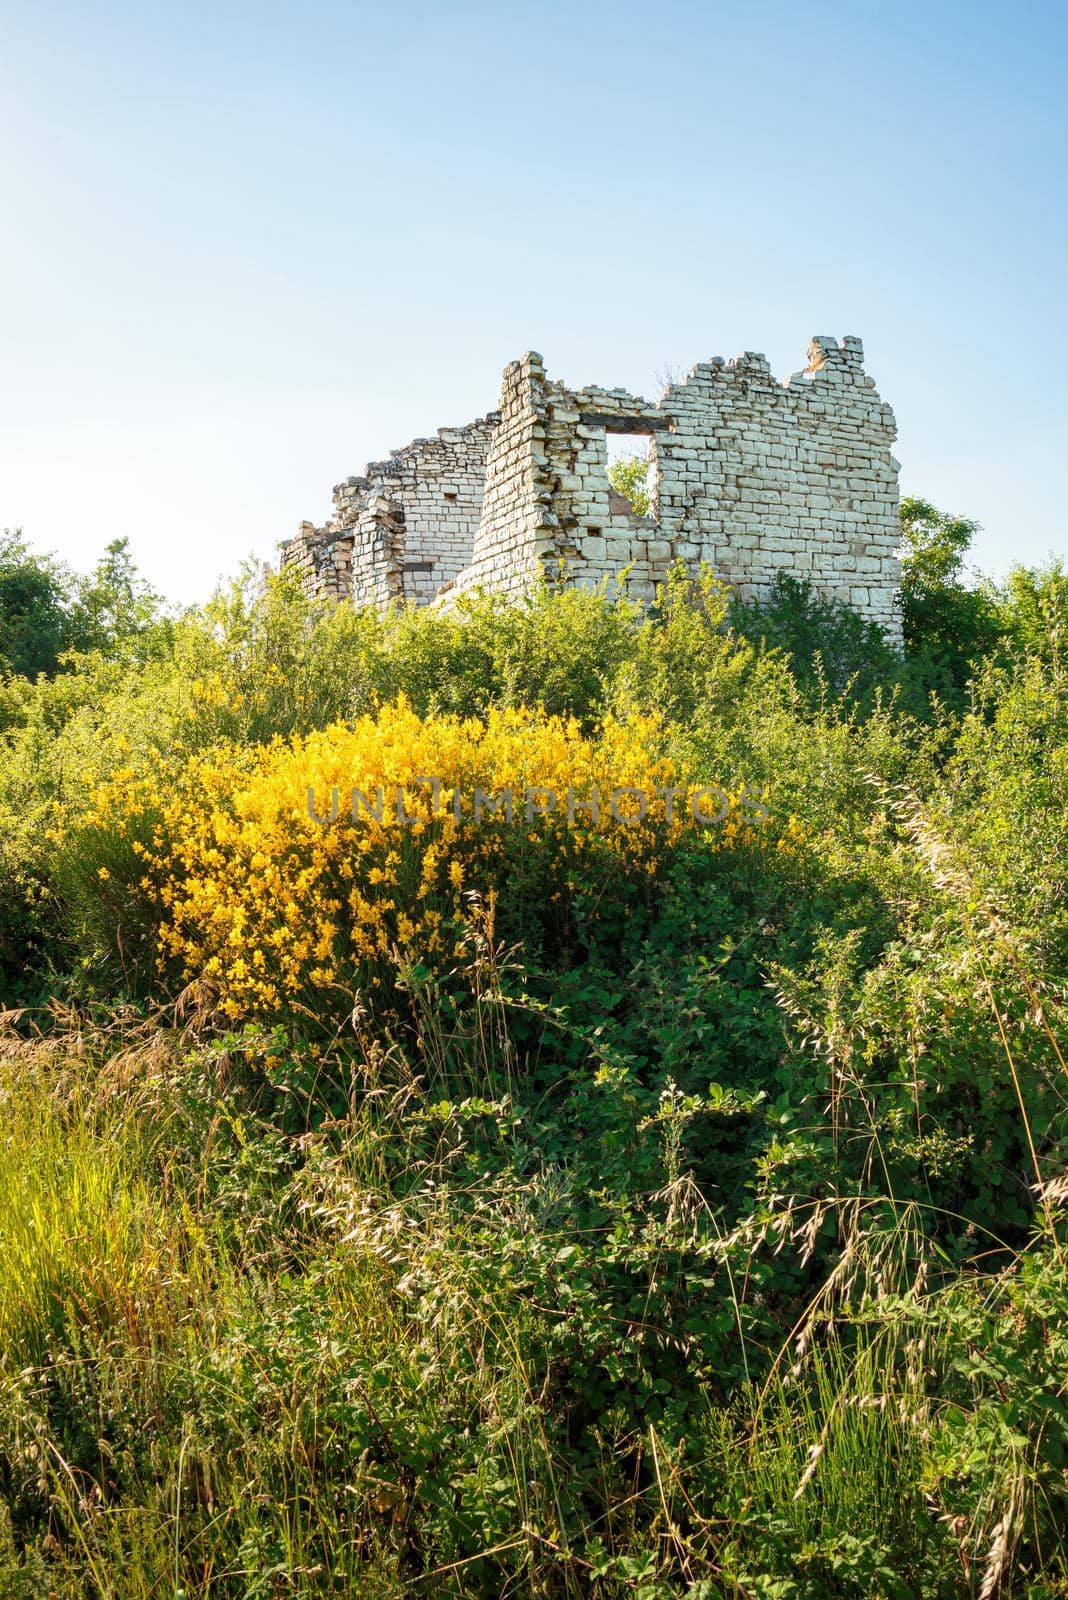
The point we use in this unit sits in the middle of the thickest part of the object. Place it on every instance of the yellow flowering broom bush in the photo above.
(281, 871)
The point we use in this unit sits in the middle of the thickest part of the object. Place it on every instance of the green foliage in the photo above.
(1034, 608)
(833, 651)
(114, 611)
(34, 626)
(629, 476)
(949, 623)
(710, 1245)
(46, 612)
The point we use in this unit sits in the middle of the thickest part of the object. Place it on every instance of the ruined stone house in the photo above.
(749, 474)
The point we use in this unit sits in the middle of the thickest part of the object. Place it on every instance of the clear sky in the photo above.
(249, 246)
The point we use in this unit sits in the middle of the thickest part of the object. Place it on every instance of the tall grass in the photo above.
(382, 1414)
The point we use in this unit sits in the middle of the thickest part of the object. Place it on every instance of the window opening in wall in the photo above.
(630, 457)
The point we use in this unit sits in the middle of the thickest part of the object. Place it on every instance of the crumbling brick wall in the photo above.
(548, 463)
(406, 527)
(748, 474)
(758, 477)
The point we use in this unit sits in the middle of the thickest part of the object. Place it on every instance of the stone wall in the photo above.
(406, 527)
(748, 474)
(758, 477)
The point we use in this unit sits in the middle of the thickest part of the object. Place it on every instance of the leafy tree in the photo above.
(944, 618)
(1034, 607)
(34, 624)
(629, 476)
(46, 611)
(114, 610)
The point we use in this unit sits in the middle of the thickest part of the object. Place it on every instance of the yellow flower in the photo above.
(255, 893)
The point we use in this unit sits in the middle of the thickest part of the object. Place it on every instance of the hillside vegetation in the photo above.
(672, 1202)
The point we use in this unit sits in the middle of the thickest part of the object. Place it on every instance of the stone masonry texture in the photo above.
(748, 474)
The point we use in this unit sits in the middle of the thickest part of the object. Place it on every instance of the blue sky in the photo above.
(248, 247)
